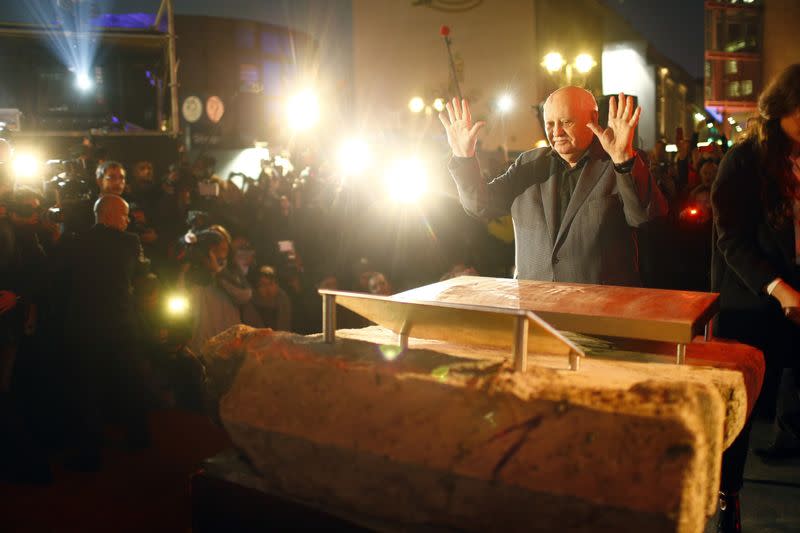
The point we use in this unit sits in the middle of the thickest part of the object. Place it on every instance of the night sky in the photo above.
(674, 27)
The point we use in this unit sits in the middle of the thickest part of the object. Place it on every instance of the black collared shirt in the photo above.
(567, 181)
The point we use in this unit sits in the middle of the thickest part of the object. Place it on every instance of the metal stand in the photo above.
(329, 318)
(681, 355)
(708, 332)
(520, 352)
(402, 339)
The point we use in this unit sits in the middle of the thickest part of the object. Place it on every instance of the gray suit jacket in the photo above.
(595, 242)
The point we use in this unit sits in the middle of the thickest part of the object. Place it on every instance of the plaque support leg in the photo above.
(574, 361)
(329, 318)
(681, 354)
(402, 338)
(520, 344)
(708, 332)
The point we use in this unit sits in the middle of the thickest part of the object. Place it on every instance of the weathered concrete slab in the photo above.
(450, 437)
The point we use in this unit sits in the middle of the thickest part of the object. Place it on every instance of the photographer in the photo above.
(22, 268)
(212, 309)
(175, 374)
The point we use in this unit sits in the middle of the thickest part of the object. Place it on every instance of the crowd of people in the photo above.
(117, 278)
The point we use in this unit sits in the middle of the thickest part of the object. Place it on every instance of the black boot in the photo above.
(729, 519)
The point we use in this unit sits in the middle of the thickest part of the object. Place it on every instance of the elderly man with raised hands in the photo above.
(574, 204)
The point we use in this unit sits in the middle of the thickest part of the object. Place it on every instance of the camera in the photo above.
(73, 198)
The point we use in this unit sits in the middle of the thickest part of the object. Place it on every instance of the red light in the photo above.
(444, 31)
(693, 211)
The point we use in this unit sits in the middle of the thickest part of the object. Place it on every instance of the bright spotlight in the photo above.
(584, 63)
(709, 125)
(731, 120)
(177, 305)
(26, 166)
(406, 180)
(699, 117)
(354, 157)
(438, 104)
(83, 82)
(505, 103)
(303, 111)
(416, 104)
(553, 62)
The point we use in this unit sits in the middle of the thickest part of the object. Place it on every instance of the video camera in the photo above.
(71, 194)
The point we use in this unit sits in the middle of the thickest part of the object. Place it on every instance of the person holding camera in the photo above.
(212, 308)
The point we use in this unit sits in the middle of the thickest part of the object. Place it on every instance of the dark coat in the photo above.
(595, 242)
(748, 253)
(101, 266)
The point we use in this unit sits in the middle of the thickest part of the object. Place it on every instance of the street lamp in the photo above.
(584, 63)
(555, 64)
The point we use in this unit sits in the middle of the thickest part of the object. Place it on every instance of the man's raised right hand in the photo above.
(462, 134)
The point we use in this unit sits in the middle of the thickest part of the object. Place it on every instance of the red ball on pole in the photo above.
(444, 31)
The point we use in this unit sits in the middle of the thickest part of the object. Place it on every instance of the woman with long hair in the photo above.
(756, 257)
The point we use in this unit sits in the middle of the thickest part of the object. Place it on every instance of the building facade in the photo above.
(498, 48)
(748, 42)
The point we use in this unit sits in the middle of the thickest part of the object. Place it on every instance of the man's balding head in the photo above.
(112, 211)
(576, 96)
(566, 113)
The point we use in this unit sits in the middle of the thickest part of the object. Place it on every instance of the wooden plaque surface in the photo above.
(629, 312)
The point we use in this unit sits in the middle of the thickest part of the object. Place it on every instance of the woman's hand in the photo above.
(789, 299)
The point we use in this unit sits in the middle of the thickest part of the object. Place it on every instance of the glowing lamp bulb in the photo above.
(354, 157)
(505, 103)
(25, 166)
(438, 104)
(177, 305)
(416, 104)
(406, 181)
(83, 82)
(693, 211)
(584, 63)
(303, 111)
(553, 62)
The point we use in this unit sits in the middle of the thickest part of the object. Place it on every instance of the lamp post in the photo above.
(565, 72)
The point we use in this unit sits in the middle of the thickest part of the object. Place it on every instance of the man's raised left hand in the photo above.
(617, 138)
